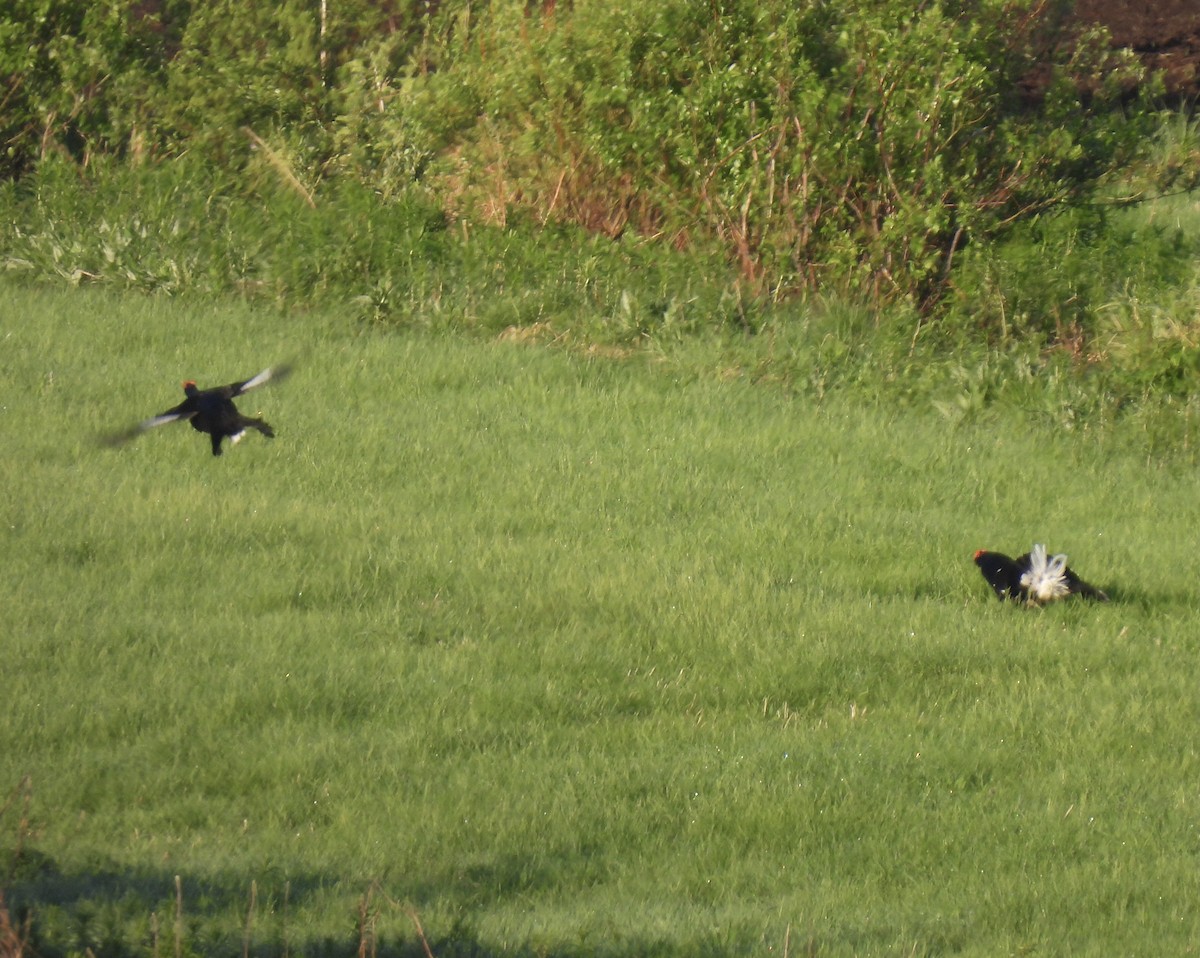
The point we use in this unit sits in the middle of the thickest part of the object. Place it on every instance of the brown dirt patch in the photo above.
(1165, 34)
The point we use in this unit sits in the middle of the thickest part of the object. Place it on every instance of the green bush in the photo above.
(852, 146)
(73, 75)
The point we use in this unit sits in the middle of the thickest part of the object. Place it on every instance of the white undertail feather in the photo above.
(1045, 581)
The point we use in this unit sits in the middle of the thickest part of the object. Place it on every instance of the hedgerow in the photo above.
(852, 148)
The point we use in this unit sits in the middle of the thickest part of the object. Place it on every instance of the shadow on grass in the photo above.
(110, 913)
(1151, 600)
(105, 911)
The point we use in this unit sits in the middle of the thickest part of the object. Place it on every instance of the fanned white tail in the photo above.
(1045, 581)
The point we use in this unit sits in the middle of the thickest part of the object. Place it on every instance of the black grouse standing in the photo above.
(1034, 578)
(212, 411)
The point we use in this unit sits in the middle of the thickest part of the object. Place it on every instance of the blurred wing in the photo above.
(128, 435)
(270, 373)
(162, 420)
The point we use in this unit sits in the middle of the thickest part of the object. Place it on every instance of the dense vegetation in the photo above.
(852, 148)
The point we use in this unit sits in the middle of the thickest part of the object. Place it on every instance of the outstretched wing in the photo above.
(177, 414)
(270, 373)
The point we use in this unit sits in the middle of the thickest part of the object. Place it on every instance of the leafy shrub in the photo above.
(854, 146)
(853, 149)
(72, 77)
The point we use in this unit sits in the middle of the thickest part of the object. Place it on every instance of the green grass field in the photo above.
(571, 656)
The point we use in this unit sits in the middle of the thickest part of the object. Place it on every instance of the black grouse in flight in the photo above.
(1034, 578)
(212, 411)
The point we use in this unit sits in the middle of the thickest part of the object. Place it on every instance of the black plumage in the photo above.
(211, 411)
(1033, 578)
